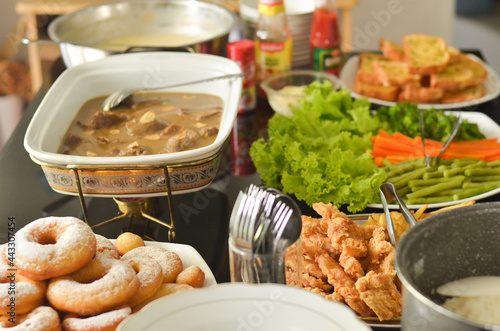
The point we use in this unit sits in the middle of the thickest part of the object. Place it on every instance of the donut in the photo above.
(150, 277)
(192, 276)
(170, 262)
(53, 246)
(99, 286)
(127, 241)
(42, 318)
(107, 321)
(105, 248)
(164, 290)
(18, 294)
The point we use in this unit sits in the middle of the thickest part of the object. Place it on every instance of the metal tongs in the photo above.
(431, 161)
(388, 194)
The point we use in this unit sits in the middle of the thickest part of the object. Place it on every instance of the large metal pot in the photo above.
(83, 34)
(448, 246)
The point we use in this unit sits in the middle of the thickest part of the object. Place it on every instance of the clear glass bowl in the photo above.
(285, 89)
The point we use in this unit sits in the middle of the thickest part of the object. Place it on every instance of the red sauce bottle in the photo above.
(325, 39)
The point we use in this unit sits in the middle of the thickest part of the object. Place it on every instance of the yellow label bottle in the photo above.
(273, 40)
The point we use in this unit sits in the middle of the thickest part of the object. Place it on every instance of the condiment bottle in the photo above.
(326, 54)
(243, 53)
(273, 41)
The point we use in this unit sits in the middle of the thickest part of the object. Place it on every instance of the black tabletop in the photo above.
(201, 217)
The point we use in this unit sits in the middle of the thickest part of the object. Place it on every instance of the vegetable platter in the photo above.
(325, 151)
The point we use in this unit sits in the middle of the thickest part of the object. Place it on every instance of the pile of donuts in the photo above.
(63, 276)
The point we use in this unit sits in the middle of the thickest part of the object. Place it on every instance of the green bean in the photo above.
(458, 163)
(428, 182)
(448, 192)
(482, 171)
(493, 164)
(492, 178)
(480, 184)
(433, 174)
(434, 188)
(429, 200)
(473, 191)
(461, 170)
(417, 173)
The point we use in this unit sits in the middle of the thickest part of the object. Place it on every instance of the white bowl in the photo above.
(129, 175)
(238, 306)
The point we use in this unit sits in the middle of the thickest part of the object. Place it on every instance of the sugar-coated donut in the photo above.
(54, 246)
(170, 262)
(105, 248)
(192, 276)
(99, 286)
(42, 318)
(18, 294)
(107, 321)
(127, 241)
(150, 277)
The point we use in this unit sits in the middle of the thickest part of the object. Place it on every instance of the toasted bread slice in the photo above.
(420, 94)
(392, 49)
(454, 77)
(455, 54)
(467, 94)
(479, 72)
(393, 73)
(388, 93)
(425, 54)
(365, 71)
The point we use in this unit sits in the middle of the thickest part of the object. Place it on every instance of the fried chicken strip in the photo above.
(343, 284)
(380, 293)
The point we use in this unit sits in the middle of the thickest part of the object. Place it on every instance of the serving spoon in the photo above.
(119, 97)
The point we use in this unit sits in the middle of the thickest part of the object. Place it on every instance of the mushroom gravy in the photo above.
(155, 123)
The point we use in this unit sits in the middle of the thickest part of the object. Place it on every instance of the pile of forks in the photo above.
(264, 222)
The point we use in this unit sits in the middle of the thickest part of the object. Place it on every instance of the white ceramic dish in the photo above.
(238, 306)
(491, 84)
(136, 70)
(189, 256)
(491, 130)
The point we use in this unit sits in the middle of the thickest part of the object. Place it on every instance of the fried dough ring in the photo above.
(42, 318)
(96, 288)
(107, 321)
(18, 294)
(150, 275)
(105, 248)
(53, 246)
(170, 262)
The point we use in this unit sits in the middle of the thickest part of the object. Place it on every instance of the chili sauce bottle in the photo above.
(326, 54)
(273, 41)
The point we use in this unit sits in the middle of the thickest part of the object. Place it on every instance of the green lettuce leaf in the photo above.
(322, 152)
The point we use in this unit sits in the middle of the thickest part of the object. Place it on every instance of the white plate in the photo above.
(189, 256)
(491, 85)
(491, 130)
(238, 306)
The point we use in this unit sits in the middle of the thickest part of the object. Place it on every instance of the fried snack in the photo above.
(41, 318)
(170, 262)
(127, 241)
(338, 253)
(192, 276)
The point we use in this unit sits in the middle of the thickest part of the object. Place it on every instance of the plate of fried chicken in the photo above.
(348, 262)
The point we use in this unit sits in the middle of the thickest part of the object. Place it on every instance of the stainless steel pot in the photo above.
(448, 246)
(80, 34)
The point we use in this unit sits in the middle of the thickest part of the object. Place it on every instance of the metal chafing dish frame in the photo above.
(134, 209)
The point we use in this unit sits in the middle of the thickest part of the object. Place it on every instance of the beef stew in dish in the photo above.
(153, 123)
